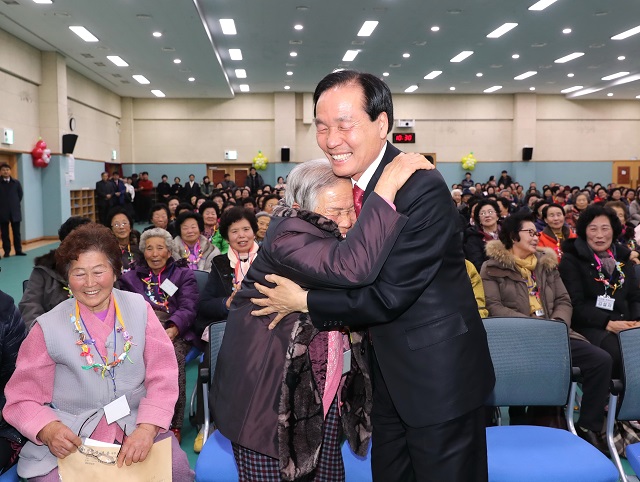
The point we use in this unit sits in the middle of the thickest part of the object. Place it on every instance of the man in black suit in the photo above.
(431, 367)
(10, 199)
(191, 188)
(105, 190)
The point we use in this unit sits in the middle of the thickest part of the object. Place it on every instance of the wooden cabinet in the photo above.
(83, 203)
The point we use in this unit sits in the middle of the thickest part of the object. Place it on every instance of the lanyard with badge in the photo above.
(535, 291)
(605, 301)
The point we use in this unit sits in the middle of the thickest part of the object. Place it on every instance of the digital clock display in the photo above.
(404, 138)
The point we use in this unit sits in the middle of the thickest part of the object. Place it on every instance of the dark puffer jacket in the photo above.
(12, 333)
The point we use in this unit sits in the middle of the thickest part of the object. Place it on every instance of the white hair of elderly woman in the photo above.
(456, 191)
(156, 233)
(306, 180)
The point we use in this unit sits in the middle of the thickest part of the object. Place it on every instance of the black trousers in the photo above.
(611, 345)
(6, 240)
(595, 367)
(453, 451)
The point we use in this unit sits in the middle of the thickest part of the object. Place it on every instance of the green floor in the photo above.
(16, 269)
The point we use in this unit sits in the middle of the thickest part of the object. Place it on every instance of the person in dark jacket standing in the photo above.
(119, 190)
(254, 181)
(163, 190)
(104, 192)
(12, 333)
(10, 199)
(191, 188)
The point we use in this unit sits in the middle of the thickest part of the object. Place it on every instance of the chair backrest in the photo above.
(201, 279)
(630, 350)
(532, 361)
(216, 333)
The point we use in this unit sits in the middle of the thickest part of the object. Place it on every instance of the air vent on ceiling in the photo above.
(295, 42)
(99, 64)
(420, 43)
(87, 56)
(496, 66)
(596, 46)
(168, 49)
(11, 2)
(538, 45)
(125, 82)
(143, 16)
(289, 65)
(185, 70)
(357, 42)
(117, 76)
(395, 66)
(62, 14)
(454, 11)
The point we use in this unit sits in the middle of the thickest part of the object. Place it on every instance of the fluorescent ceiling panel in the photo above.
(241, 73)
(116, 59)
(411, 88)
(244, 87)
(433, 74)
(350, 55)
(367, 28)
(492, 89)
(626, 33)
(462, 55)
(571, 89)
(141, 79)
(526, 75)
(235, 54)
(542, 4)
(569, 57)
(500, 31)
(617, 75)
(158, 93)
(83, 33)
(228, 26)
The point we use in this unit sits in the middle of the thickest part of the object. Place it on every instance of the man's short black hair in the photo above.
(377, 96)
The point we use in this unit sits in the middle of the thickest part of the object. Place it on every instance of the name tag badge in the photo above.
(168, 287)
(539, 313)
(117, 409)
(605, 302)
(346, 362)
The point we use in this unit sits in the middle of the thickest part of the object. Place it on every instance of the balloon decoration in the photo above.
(40, 154)
(469, 162)
(260, 161)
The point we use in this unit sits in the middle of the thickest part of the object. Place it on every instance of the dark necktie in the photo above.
(358, 195)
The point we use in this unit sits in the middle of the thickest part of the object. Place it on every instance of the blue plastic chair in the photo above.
(629, 408)
(216, 462)
(10, 475)
(356, 468)
(532, 363)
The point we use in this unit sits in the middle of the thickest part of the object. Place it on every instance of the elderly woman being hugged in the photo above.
(521, 279)
(72, 364)
(190, 244)
(171, 290)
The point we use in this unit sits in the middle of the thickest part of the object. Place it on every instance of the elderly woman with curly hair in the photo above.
(171, 290)
(87, 352)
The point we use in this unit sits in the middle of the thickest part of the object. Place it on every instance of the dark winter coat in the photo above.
(46, 289)
(579, 274)
(263, 395)
(12, 333)
(182, 305)
(10, 199)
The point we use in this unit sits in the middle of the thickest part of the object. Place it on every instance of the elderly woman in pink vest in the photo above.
(100, 346)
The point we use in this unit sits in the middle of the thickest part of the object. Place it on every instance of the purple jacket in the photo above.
(182, 305)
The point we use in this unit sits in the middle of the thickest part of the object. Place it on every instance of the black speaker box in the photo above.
(69, 143)
(527, 153)
(285, 154)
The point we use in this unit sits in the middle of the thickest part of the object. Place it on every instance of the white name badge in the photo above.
(117, 409)
(168, 287)
(346, 362)
(605, 302)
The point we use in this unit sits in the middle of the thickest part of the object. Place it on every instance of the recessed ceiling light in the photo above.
(177, 61)
(298, 27)
(235, 54)
(191, 79)
(157, 34)
(289, 73)
(515, 56)
(571, 89)
(244, 87)
(479, 74)
(570, 75)
(433, 74)
(622, 57)
(566, 31)
(526, 75)
(452, 88)
(385, 74)
(500, 31)
(117, 60)
(569, 57)
(350, 55)
(83, 33)
(141, 79)
(406, 55)
(462, 55)
(627, 33)
(158, 93)
(367, 28)
(532, 88)
(241, 73)
(411, 88)
(492, 89)
(435, 28)
(610, 94)
(287, 87)
(228, 26)
(541, 5)
(617, 75)
(293, 54)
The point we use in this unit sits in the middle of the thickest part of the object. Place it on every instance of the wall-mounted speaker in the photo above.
(285, 154)
(527, 153)
(69, 143)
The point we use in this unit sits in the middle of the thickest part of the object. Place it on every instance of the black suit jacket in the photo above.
(427, 334)
(188, 191)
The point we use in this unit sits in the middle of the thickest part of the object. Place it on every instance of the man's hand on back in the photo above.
(287, 297)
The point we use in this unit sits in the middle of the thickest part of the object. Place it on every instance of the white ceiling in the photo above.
(266, 36)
